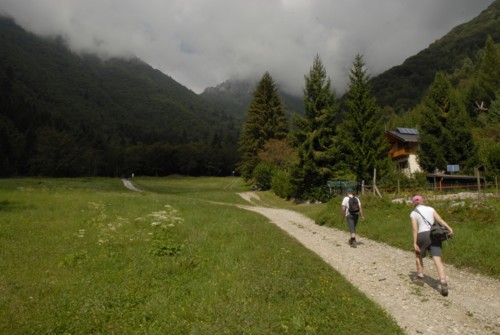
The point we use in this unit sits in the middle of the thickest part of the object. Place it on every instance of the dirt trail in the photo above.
(128, 184)
(384, 273)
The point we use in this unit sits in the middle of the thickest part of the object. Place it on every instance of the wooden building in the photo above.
(403, 149)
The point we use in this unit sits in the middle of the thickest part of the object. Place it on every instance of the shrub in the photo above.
(281, 184)
(263, 175)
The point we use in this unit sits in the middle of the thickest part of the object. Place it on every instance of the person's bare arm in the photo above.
(414, 225)
(361, 212)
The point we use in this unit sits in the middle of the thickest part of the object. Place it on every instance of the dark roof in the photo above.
(405, 134)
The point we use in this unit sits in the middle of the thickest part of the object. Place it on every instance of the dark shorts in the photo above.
(352, 221)
(425, 244)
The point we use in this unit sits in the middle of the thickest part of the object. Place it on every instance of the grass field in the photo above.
(475, 222)
(87, 256)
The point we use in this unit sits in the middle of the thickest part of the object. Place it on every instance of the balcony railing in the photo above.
(400, 152)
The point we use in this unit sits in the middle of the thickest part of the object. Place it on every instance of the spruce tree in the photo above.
(485, 84)
(363, 147)
(433, 135)
(445, 135)
(266, 120)
(489, 71)
(462, 148)
(314, 136)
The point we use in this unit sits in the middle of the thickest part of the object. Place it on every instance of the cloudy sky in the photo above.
(201, 43)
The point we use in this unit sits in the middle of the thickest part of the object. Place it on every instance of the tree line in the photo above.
(344, 139)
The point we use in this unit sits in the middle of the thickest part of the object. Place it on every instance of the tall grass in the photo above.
(82, 256)
(475, 222)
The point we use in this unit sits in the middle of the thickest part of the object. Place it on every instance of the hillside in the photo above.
(402, 86)
(234, 97)
(57, 107)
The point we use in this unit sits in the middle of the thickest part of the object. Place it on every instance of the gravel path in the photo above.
(128, 184)
(384, 274)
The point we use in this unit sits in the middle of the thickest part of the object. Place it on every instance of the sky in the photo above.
(202, 43)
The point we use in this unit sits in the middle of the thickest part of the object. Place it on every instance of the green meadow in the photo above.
(88, 256)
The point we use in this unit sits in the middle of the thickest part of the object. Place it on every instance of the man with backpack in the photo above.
(351, 208)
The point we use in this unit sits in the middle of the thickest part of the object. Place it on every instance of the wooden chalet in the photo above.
(403, 149)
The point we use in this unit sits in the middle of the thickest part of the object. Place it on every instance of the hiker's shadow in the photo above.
(434, 283)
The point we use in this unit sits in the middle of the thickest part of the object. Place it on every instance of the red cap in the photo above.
(417, 199)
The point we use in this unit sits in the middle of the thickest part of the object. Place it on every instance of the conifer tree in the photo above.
(489, 70)
(462, 148)
(445, 135)
(483, 88)
(433, 134)
(363, 146)
(314, 136)
(266, 121)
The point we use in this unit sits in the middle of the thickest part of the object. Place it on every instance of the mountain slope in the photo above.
(234, 97)
(402, 86)
(100, 106)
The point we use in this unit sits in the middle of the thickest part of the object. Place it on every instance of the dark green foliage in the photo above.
(403, 86)
(493, 114)
(363, 147)
(63, 114)
(266, 121)
(263, 175)
(281, 184)
(484, 81)
(445, 130)
(489, 72)
(314, 136)
(390, 181)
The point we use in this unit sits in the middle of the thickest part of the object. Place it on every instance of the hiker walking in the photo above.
(422, 217)
(351, 208)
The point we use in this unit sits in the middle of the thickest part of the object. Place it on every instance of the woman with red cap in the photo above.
(422, 217)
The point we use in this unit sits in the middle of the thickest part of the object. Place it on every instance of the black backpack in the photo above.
(353, 205)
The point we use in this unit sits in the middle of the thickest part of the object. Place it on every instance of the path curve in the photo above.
(128, 184)
(384, 273)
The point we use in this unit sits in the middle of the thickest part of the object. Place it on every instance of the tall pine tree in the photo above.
(363, 146)
(481, 89)
(434, 137)
(266, 121)
(445, 135)
(314, 136)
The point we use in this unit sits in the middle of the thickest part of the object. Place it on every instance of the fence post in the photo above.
(398, 186)
(374, 180)
(478, 176)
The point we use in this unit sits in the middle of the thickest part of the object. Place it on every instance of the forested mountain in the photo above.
(233, 96)
(402, 87)
(66, 114)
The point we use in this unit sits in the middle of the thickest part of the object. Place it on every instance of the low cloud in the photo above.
(202, 43)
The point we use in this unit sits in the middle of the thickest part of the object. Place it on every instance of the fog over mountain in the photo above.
(203, 43)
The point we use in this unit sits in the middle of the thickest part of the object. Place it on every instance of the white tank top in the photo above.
(428, 213)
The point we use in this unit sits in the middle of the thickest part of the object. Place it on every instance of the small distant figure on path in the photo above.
(352, 210)
(422, 217)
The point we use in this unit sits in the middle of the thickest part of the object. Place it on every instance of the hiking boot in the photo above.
(444, 289)
(352, 243)
(419, 281)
